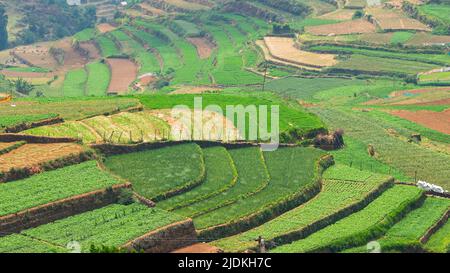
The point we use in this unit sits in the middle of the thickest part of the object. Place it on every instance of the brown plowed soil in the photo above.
(204, 47)
(351, 27)
(340, 14)
(123, 73)
(90, 47)
(29, 75)
(30, 155)
(439, 121)
(198, 248)
(105, 27)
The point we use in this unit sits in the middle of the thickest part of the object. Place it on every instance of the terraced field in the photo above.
(53, 186)
(372, 76)
(105, 226)
(360, 226)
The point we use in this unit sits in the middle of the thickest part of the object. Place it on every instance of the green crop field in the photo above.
(360, 226)
(107, 46)
(349, 157)
(410, 229)
(252, 178)
(438, 12)
(85, 35)
(98, 80)
(221, 174)
(52, 186)
(384, 65)
(335, 196)
(114, 225)
(427, 165)
(74, 83)
(282, 187)
(172, 168)
(440, 241)
(11, 120)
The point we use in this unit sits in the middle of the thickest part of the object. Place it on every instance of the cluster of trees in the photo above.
(281, 29)
(3, 28)
(45, 20)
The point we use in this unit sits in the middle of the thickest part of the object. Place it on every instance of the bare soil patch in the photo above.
(438, 121)
(36, 55)
(105, 27)
(350, 27)
(285, 49)
(91, 49)
(123, 73)
(203, 45)
(31, 155)
(388, 19)
(72, 57)
(198, 248)
(424, 38)
(4, 145)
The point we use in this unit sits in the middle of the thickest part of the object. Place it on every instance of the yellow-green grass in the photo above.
(74, 83)
(361, 226)
(343, 187)
(406, 234)
(414, 161)
(160, 173)
(438, 77)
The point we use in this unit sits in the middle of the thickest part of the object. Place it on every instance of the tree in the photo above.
(3, 28)
(22, 86)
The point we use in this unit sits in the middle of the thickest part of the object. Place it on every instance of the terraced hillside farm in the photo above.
(202, 126)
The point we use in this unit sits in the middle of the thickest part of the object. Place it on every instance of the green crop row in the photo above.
(11, 120)
(293, 180)
(221, 174)
(361, 226)
(98, 80)
(158, 174)
(252, 178)
(52, 186)
(107, 46)
(290, 117)
(114, 225)
(337, 199)
(412, 160)
(407, 233)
